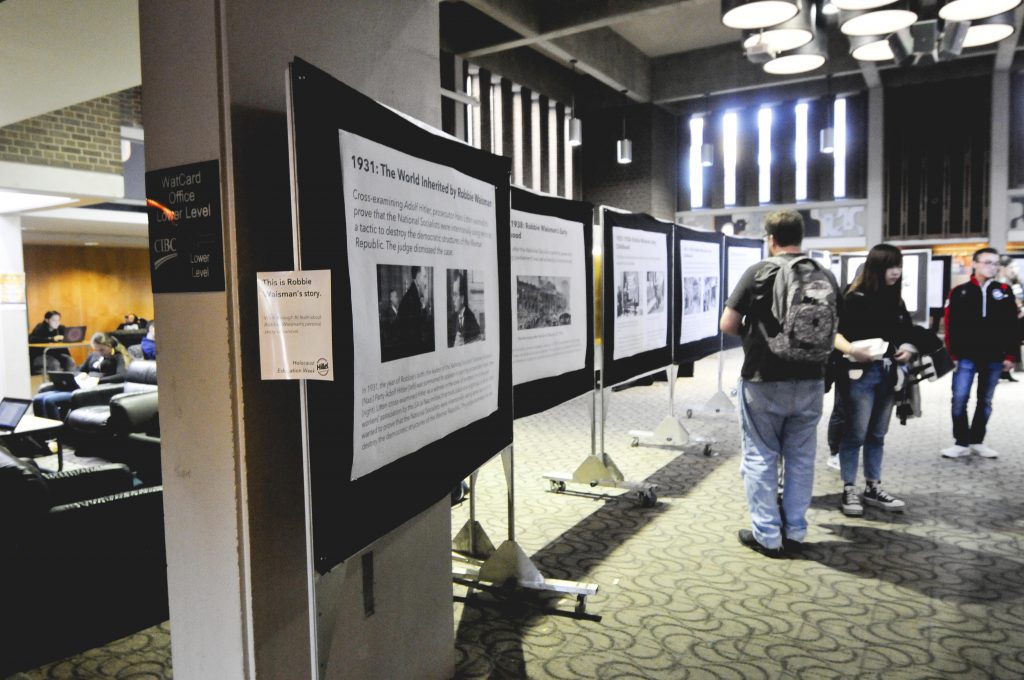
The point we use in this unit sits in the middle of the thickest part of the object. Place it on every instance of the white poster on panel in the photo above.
(700, 282)
(549, 277)
(740, 258)
(422, 259)
(936, 274)
(640, 263)
(911, 282)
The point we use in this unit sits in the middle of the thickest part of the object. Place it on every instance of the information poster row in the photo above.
(432, 304)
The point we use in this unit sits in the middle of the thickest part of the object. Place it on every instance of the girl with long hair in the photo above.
(873, 308)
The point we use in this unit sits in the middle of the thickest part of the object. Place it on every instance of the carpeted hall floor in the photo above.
(935, 592)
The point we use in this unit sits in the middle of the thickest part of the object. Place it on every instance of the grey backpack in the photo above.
(804, 314)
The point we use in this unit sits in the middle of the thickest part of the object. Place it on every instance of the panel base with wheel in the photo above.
(601, 470)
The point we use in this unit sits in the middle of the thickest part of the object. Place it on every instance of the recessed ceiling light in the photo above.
(91, 243)
(17, 201)
(752, 14)
(969, 10)
(879, 22)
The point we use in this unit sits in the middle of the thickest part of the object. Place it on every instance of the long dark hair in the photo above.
(871, 279)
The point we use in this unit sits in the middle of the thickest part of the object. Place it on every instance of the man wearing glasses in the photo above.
(981, 334)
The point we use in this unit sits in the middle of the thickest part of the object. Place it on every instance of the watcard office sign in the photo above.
(186, 251)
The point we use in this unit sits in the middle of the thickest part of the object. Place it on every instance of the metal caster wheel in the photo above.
(556, 486)
(647, 499)
(635, 442)
(689, 413)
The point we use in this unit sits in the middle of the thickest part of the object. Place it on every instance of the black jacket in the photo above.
(982, 328)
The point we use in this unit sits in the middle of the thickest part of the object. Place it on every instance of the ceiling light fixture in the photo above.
(801, 60)
(870, 48)
(753, 14)
(969, 10)
(624, 147)
(829, 8)
(575, 124)
(861, 4)
(876, 22)
(989, 30)
(763, 45)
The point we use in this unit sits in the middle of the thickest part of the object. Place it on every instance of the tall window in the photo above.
(839, 173)
(517, 135)
(764, 155)
(695, 166)
(800, 151)
(535, 142)
(497, 123)
(553, 131)
(729, 153)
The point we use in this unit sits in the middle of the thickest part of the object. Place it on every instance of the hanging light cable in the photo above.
(575, 124)
(624, 147)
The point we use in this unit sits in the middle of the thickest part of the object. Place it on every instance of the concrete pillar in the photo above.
(999, 177)
(240, 586)
(14, 365)
(875, 231)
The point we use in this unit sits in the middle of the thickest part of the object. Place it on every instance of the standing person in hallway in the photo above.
(981, 335)
(873, 308)
(781, 396)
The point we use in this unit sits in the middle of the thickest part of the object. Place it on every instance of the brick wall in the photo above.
(86, 136)
(646, 185)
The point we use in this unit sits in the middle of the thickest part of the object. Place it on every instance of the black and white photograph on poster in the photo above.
(412, 226)
(692, 295)
(543, 301)
(655, 292)
(627, 294)
(637, 251)
(710, 295)
(549, 279)
(700, 269)
(464, 325)
(405, 301)
(740, 259)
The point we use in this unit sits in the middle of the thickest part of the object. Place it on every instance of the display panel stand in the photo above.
(472, 540)
(671, 433)
(720, 402)
(598, 469)
(509, 564)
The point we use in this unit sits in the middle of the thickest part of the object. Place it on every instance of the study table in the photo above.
(56, 345)
(33, 427)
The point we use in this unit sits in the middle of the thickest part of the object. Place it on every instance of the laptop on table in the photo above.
(11, 412)
(74, 334)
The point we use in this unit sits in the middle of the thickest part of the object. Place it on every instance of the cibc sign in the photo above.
(186, 245)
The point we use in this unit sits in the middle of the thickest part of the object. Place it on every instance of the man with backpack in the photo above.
(786, 309)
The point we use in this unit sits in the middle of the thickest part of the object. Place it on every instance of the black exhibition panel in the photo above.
(544, 393)
(732, 341)
(689, 352)
(347, 515)
(620, 370)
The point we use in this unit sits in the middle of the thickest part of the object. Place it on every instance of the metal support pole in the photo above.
(472, 512)
(508, 463)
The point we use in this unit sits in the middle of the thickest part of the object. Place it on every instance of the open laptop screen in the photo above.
(11, 412)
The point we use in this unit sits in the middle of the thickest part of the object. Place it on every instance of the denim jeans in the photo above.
(963, 376)
(868, 402)
(837, 421)
(779, 422)
(50, 404)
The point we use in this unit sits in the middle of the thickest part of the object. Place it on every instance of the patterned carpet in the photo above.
(936, 592)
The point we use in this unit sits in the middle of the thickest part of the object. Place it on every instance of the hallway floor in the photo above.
(935, 592)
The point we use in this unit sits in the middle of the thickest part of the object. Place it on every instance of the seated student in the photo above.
(132, 323)
(49, 329)
(149, 342)
(107, 359)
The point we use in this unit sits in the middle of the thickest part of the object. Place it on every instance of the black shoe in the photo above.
(792, 548)
(1006, 375)
(877, 497)
(746, 537)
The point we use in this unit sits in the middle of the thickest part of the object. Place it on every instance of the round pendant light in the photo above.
(876, 22)
(789, 35)
(989, 30)
(870, 48)
(753, 14)
(861, 4)
(802, 59)
(969, 10)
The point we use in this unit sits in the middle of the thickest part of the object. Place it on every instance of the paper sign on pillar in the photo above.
(296, 337)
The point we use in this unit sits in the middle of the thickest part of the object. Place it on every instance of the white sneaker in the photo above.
(956, 451)
(984, 451)
(833, 461)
